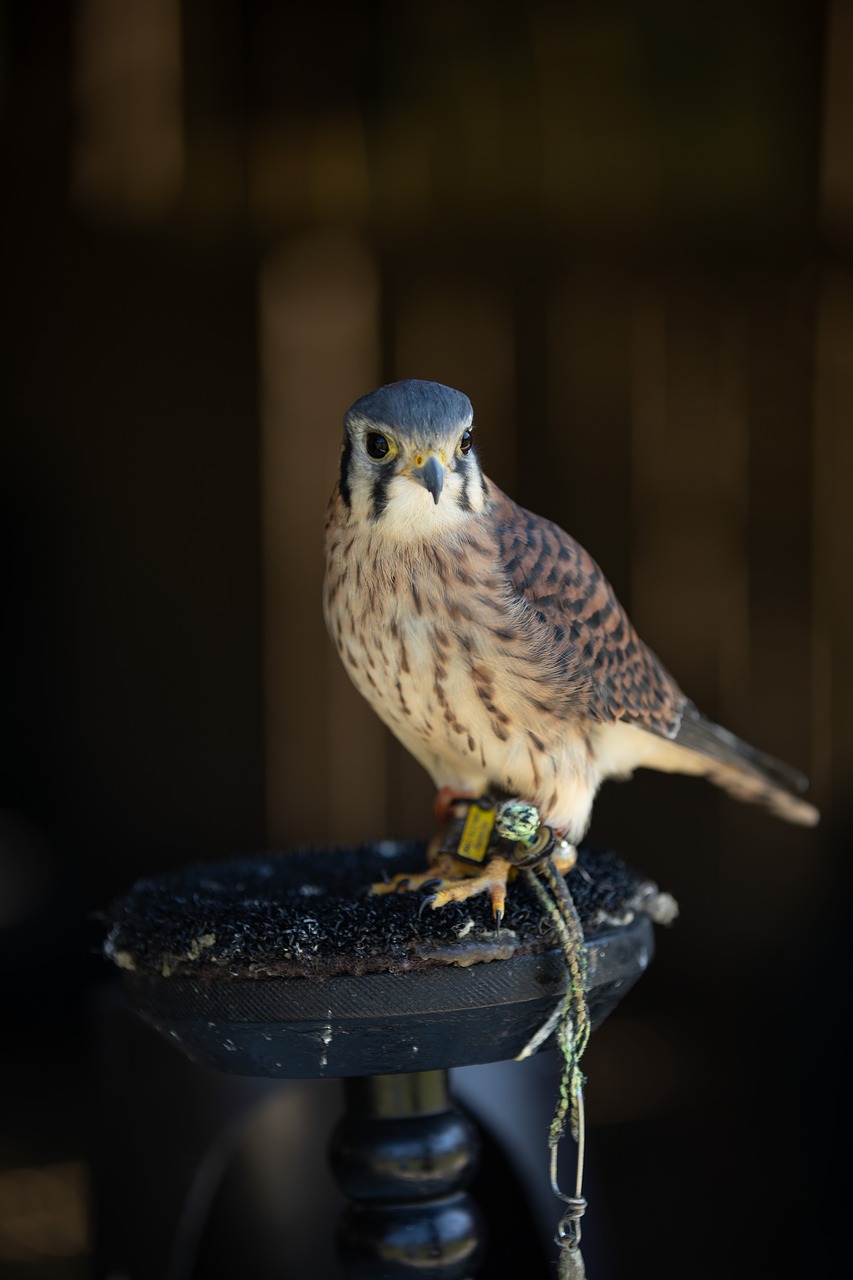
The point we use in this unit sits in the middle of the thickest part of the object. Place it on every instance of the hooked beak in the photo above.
(431, 476)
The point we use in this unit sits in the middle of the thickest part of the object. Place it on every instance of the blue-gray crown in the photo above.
(412, 406)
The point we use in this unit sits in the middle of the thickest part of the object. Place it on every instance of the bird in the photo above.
(490, 642)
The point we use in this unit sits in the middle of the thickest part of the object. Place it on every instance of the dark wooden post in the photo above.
(404, 1154)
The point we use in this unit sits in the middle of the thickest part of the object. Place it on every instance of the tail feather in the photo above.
(744, 771)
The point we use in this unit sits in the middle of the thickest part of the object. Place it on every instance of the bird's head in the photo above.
(408, 462)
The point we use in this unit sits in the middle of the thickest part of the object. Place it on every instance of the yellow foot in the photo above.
(492, 880)
(456, 870)
(454, 883)
(441, 868)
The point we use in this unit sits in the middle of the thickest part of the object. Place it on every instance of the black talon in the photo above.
(402, 885)
(499, 915)
(428, 901)
(436, 881)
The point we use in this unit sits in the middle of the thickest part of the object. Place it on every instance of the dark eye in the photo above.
(466, 440)
(377, 445)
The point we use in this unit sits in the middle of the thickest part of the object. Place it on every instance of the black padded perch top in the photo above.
(284, 965)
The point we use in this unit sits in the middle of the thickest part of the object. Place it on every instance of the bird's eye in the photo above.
(378, 446)
(465, 441)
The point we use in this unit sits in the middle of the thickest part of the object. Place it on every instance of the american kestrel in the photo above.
(489, 641)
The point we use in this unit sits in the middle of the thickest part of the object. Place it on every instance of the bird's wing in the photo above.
(575, 614)
(590, 633)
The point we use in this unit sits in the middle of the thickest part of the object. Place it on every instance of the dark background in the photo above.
(625, 230)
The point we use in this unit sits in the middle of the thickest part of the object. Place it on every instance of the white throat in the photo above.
(412, 515)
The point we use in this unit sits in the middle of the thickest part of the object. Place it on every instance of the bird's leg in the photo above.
(493, 876)
(481, 846)
(445, 803)
(442, 865)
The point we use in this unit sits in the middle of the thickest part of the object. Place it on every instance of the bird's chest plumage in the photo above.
(434, 639)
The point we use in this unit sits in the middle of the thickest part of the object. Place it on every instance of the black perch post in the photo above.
(404, 1155)
(283, 966)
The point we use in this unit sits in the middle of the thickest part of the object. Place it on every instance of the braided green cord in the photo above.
(573, 1028)
(574, 950)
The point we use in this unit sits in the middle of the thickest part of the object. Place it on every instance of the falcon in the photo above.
(489, 641)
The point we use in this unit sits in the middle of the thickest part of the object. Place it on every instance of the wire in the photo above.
(205, 1182)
